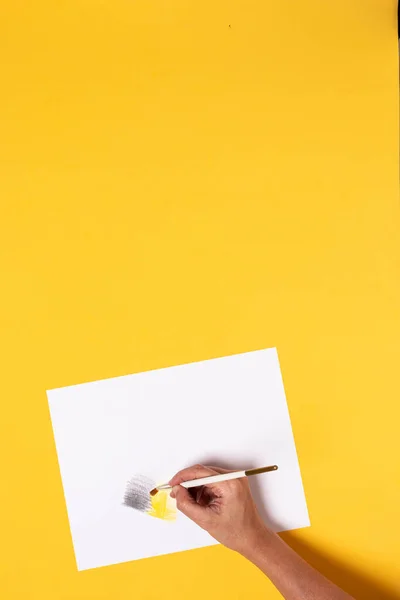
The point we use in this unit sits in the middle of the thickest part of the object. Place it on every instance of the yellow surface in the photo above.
(183, 180)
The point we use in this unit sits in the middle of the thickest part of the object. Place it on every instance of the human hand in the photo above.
(226, 509)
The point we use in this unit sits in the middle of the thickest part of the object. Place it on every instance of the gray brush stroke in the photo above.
(137, 493)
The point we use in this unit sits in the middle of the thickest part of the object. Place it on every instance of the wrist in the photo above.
(260, 543)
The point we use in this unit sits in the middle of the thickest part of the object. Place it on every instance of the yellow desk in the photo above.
(184, 180)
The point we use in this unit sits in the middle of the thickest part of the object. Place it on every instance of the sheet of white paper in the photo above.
(228, 411)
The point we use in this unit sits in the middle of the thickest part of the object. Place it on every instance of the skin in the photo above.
(228, 512)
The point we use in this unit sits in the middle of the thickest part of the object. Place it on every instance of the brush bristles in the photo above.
(137, 493)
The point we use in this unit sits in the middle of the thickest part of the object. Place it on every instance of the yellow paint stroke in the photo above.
(162, 506)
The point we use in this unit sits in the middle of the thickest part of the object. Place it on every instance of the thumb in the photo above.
(187, 504)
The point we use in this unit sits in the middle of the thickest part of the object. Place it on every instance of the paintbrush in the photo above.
(215, 479)
(140, 490)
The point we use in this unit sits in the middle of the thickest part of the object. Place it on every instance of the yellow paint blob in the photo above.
(162, 506)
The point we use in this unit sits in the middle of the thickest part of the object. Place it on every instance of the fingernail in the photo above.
(172, 493)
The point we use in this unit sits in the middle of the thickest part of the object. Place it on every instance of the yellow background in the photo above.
(183, 180)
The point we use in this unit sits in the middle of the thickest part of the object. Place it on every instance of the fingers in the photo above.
(187, 504)
(202, 495)
(192, 473)
(219, 470)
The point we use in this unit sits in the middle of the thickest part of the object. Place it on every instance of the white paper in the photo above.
(229, 411)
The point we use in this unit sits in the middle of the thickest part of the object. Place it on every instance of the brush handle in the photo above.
(213, 479)
(220, 477)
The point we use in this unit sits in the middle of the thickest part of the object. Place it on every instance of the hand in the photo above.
(226, 510)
